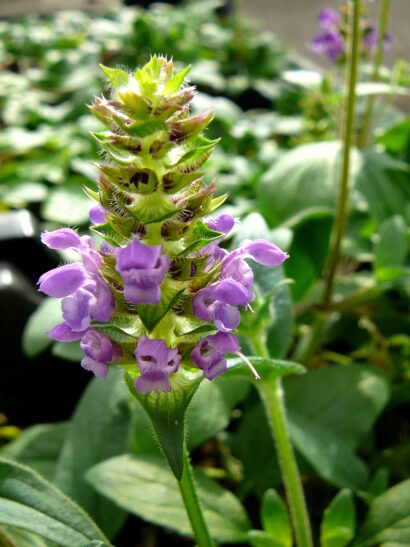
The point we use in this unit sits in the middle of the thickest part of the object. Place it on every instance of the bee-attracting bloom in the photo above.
(160, 275)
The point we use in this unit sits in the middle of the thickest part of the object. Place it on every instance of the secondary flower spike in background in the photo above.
(160, 293)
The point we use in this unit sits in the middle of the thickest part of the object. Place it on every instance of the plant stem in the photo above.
(340, 222)
(192, 506)
(271, 393)
(378, 59)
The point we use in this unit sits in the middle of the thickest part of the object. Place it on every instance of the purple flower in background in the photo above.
(85, 295)
(98, 351)
(156, 362)
(209, 353)
(371, 39)
(329, 18)
(329, 43)
(142, 268)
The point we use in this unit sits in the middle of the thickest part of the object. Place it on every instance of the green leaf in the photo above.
(70, 351)
(345, 400)
(29, 502)
(144, 486)
(339, 521)
(68, 204)
(275, 518)
(166, 411)
(307, 261)
(266, 368)
(208, 414)
(329, 456)
(258, 538)
(46, 316)
(117, 77)
(388, 520)
(383, 183)
(303, 178)
(391, 249)
(15, 537)
(151, 315)
(99, 430)
(38, 447)
(175, 82)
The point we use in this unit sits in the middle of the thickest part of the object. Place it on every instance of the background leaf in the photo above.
(29, 502)
(145, 486)
(338, 524)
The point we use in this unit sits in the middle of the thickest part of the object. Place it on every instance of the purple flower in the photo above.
(329, 43)
(63, 280)
(85, 295)
(98, 351)
(63, 333)
(217, 303)
(97, 214)
(142, 268)
(222, 223)
(329, 18)
(209, 353)
(156, 362)
(371, 40)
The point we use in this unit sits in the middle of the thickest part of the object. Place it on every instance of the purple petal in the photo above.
(216, 369)
(76, 310)
(263, 252)
(328, 18)
(103, 305)
(99, 369)
(63, 280)
(226, 317)
(330, 44)
(63, 333)
(142, 295)
(97, 346)
(225, 342)
(229, 291)
(97, 214)
(208, 354)
(145, 384)
(223, 223)
(136, 255)
(61, 239)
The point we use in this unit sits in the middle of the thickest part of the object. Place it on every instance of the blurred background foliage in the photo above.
(279, 120)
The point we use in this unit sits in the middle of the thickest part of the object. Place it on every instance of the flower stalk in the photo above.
(271, 392)
(192, 505)
(366, 124)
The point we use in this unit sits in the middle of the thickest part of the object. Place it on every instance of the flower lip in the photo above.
(62, 281)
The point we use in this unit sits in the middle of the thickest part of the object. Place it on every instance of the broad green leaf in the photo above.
(346, 401)
(68, 204)
(383, 183)
(265, 367)
(144, 485)
(379, 482)
(275, 518)
(325, 451)
(166, 410)
(391, 249)
(15, 537)
(46, 316)
(259, 538)
(21, 193)
(207, 415)
(306, 262)
(99, 430)
(339, 521)
(397, 138)
(388, 520)
(38, 447)
(29, 502)
(302, 178)
(70, 351)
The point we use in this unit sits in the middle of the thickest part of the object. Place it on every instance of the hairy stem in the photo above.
(271, 392)
(366, 124)
(192, 506)
(340, 222)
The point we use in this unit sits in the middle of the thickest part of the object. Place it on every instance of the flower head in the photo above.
(162, 262)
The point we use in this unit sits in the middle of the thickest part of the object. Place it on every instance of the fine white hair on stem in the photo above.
(246, 361)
